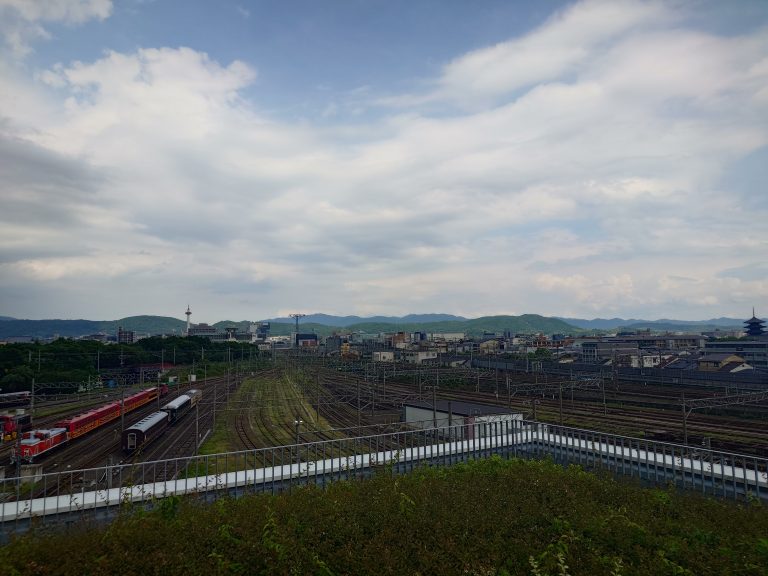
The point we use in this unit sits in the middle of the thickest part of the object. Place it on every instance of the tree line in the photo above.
(80, 360)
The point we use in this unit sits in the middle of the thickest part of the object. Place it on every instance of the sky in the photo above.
(253, 158)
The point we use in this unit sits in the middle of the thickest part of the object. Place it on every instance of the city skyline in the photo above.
(573, 159)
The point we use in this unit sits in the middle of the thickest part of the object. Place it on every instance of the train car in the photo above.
(15, 398)
(144, 431)
(87, 421)
(178, 407)
(83, 423)
(140, 398)
(11, 425)
(37, 442)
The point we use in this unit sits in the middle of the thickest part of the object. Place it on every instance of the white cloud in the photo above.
(21, 21)
(561, 46)
(73, 11)
(578, 177)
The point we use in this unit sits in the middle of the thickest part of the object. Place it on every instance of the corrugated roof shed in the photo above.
(462, 408)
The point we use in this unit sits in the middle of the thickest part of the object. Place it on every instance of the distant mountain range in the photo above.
(343, 321)
(14, 328)
(324, 324)
(527, 323)
(663, 324)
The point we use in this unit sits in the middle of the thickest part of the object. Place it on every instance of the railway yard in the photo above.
(301, 400)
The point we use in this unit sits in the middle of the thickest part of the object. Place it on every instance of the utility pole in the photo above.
(561, 403)
(685, 423)
(605, 405)
(434, 406)
(215, 388)
(31, 405)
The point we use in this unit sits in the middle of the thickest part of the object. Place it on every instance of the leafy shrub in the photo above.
(487, 517)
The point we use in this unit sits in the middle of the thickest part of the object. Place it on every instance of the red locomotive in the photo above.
(38, 442)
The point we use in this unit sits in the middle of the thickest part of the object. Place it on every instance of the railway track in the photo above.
(632, 409)
(333, 405)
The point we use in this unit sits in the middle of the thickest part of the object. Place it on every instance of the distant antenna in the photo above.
(297, 316)
(188, 313)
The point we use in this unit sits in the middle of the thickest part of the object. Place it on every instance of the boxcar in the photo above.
(144, 431)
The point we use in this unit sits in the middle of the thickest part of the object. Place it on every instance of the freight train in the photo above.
(147, 429)
(37, 442)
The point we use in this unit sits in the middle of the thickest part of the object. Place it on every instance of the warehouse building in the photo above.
(478, 420)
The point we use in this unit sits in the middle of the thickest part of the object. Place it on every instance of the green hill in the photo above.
(524, 324)
(146, 324)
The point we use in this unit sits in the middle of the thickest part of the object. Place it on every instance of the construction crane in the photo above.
(297, 315)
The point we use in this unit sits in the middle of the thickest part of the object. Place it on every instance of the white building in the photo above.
(420, 356)
(384, 356)
(448, 336)
(477, 420)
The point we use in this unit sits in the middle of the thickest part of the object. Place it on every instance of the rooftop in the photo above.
(462, 408)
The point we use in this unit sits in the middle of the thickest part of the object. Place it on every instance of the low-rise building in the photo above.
(477, 420)
(202, 329)
(306, 341)
(384, 356)
(714, 362)
(448, 336)
(419, 356)
(753, 351)
(598, 351)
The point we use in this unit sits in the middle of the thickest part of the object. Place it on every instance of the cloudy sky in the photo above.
(258, 157)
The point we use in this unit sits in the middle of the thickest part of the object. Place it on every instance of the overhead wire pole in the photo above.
(689, 406)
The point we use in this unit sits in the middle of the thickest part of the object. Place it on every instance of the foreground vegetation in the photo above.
(487, 517)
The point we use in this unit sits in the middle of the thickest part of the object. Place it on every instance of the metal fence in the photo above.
(100, 493)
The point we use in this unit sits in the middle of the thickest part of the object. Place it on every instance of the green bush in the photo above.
(488, 517)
